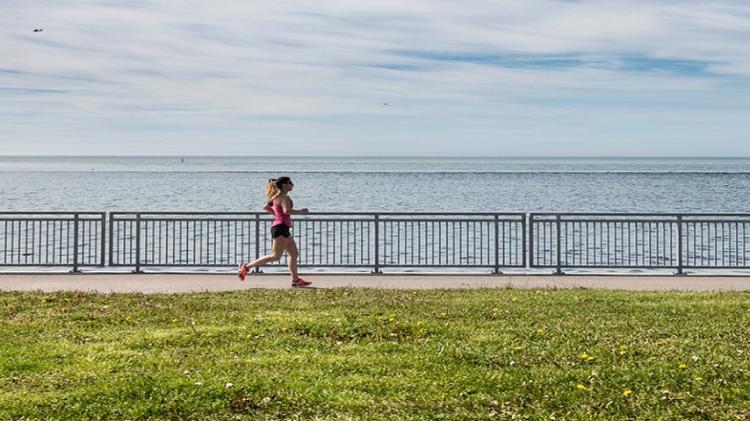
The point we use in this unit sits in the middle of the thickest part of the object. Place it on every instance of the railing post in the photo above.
(137, 243)
(111, 239)
(523, 240)
(377, 245)
(75, 243)
(257, 241)
(531, 240)
(497, 244)
(102, 260)
(679, 246)
(558, 269)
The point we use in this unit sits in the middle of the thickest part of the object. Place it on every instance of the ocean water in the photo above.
(339, 184)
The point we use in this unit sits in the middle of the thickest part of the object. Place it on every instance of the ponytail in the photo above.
(271, 188)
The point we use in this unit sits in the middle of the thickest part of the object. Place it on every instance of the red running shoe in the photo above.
(300, 283)
(242, 271)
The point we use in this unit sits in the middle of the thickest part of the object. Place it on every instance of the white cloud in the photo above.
(209, 73)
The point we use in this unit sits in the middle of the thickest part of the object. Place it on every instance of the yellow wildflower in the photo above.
(626, 392)
(580, 387)
(682, 366)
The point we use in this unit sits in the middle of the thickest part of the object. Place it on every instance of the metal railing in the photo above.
(354, 240)
(494, 241)
(452, 240)
(643, 241)
(73, 239)
(141, 239)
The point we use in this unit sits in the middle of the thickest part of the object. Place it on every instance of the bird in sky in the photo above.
(385, 103)
(38, 30)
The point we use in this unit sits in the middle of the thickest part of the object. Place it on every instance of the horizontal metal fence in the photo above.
(650, 241)
(380, 240)
(452, 240)
(323, 239)
(52, 239)
(181, 239)
(715, 241)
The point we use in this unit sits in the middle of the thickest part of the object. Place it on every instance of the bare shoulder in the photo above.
(280, 198)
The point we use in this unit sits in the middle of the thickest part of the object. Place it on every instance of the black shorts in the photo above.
(280, 230)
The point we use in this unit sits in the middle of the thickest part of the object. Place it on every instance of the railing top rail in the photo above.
(652, 214)
(520, 214)
(50, 213)
(488, 214)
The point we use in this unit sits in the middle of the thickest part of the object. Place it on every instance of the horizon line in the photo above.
(385, 156)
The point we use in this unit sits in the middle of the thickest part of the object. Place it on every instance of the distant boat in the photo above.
(182, 159)
(38, 30)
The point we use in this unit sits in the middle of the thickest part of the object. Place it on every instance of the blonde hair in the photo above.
(274, 186)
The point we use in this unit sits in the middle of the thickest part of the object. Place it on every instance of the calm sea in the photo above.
(335, 184)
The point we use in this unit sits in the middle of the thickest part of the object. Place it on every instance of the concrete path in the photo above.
(180, 283)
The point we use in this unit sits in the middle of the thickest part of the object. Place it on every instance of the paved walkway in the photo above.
(156, 283)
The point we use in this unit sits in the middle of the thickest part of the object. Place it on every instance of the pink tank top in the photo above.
(279, 216)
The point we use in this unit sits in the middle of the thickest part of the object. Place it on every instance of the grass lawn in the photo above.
(375, 354)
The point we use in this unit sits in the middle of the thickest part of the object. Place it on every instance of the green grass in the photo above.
(375, 354)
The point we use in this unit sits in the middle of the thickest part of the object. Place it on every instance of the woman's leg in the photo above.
(277, 250)
(291, 249)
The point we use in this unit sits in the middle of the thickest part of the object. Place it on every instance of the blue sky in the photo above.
(499, 78)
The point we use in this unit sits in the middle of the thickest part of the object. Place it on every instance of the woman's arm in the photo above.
(268, 207)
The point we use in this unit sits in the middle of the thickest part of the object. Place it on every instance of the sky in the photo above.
(359, 78)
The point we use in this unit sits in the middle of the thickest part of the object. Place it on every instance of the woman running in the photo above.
(280, 205)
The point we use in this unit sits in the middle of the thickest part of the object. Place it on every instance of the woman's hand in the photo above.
(304, 211)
